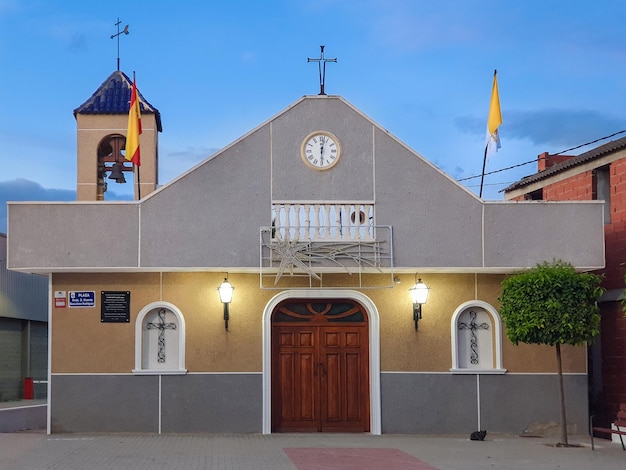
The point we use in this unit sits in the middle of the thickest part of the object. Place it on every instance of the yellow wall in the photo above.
(82, 344)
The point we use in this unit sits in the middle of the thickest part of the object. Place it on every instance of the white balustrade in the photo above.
(315, 221)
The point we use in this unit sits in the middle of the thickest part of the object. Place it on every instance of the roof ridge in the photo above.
(576, 160)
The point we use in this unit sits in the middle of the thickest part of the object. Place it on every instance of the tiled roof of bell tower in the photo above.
(113, 97)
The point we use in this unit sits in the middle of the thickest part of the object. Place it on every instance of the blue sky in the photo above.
(421, 69)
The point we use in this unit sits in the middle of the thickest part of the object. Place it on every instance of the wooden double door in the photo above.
(320, 367)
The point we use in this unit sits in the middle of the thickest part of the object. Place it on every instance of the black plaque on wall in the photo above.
(115, 306)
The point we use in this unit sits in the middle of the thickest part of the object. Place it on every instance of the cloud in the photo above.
(548, 127)
(25, 190)
(561, 127)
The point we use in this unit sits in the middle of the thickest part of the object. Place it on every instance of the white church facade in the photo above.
(322, 221)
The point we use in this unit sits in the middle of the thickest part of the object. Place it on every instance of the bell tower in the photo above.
(102, 123)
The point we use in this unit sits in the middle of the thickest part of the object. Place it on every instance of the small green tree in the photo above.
(552, 304)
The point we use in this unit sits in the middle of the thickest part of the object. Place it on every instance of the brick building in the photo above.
(599, 174)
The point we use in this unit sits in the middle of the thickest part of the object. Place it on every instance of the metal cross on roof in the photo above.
(321, 64)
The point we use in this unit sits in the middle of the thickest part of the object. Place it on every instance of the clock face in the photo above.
(320, 150)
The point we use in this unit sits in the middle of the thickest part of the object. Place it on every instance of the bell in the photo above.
(117, 173)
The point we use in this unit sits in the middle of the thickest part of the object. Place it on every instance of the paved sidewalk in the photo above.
(25, 414)
(37, 450)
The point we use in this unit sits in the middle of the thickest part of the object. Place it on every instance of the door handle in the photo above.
(323, 369)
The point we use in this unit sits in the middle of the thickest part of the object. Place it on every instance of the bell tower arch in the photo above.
(102, 123)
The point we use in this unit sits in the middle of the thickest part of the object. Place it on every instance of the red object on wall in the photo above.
(29, 388)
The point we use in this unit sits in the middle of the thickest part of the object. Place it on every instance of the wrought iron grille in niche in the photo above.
(161, 325)
(472, 326)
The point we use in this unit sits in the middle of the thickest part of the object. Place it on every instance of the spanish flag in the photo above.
(495, 119)
(134, 128)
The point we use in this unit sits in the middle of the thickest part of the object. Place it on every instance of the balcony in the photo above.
(309, 242)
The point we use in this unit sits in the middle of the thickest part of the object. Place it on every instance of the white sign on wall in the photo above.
(60, 298)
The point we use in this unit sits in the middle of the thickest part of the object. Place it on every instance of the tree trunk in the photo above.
(561, 397)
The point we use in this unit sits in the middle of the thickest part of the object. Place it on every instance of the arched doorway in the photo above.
(374, 349)
(320, 366)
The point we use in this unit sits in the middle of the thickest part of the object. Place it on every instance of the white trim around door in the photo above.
(374, 349)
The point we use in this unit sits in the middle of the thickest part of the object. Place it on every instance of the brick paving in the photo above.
(358, 458)
(35, 450)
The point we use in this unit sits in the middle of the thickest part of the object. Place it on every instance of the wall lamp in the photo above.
(225, 291)
(419, 294)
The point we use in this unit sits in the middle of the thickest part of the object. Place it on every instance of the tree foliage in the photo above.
(551, 304)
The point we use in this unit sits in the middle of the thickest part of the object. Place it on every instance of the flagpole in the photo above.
(137, 166)
(482, 176)
(139, 183)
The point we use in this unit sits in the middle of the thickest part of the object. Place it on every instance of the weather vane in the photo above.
(321, 64)
(124, 31)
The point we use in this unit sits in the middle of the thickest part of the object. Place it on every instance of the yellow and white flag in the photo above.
(495, 119)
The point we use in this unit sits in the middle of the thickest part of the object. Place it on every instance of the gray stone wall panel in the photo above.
(212, 403)
(104, 403)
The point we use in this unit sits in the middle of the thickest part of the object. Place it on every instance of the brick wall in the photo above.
(615, 232)
(615, 240)
(618, 191)
(613, 344)
(576, 188)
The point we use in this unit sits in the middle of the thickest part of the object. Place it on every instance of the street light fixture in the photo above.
(225, 291)
(419, 295)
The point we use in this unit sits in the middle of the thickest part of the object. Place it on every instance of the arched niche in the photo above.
(160, 340)
(476, 339)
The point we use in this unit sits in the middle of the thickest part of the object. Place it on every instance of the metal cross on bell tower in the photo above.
(124, 31)
(321, 63)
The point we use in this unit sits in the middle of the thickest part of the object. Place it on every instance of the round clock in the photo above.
(320, 150)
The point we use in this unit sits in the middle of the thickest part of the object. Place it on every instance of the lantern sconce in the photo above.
(225, 291)
(419, 295)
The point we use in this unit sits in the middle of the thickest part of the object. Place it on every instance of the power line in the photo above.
(507, 183)
(535, 160)
(498, 171)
